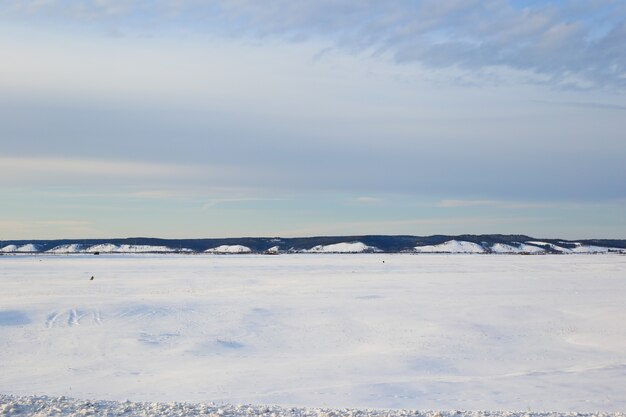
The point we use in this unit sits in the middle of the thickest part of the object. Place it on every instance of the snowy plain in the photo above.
(429, 332)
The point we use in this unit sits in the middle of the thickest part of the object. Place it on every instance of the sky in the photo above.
(189, 118)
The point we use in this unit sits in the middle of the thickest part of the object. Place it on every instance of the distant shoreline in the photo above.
(477, 244)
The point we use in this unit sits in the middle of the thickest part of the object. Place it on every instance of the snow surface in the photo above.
(520, 248)
(63, 406)
(419, 332)
(344, 247)
(451, 246)
(229, 249)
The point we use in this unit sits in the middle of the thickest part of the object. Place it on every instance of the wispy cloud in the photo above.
(587, 105)
(523, 205)
(15, 170)
(560, 40)
(368, 200)
(17, 165)
(355, 109)
(220, 201)
(468, 203)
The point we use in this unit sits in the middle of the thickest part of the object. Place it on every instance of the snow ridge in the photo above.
(63, 406)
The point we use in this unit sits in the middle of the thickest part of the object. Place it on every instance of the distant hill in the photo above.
(486, 244)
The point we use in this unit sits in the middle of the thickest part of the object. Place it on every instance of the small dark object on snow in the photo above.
(91, 279)
(96, 253)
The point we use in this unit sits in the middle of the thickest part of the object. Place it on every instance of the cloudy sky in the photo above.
(189, 118)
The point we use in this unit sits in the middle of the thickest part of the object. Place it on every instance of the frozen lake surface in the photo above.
(541, 333)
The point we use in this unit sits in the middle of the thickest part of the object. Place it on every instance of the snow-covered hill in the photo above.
(9, 249)
(465, 244)
(344, 247)
(551, 246)
(518, 248)
(223, 249)
(69, 248)
(28, 248)
(112, 248)
(580, 248)
(451, 246)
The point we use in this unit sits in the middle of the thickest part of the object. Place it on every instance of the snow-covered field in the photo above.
(540, 333)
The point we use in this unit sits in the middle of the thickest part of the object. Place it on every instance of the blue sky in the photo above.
(230, 118)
